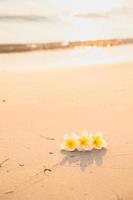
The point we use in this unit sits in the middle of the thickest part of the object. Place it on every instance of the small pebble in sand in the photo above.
(3, 100)
(9, 192)
(46, 170)
(21, 165)
(51, 153)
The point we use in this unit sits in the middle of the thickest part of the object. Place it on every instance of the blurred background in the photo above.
(43, 21)
(59, 20)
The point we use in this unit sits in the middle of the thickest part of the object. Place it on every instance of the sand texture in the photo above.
(37, 107)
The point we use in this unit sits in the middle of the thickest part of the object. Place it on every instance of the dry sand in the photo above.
(37, 107)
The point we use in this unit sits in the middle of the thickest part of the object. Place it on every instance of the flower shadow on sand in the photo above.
(83, 159)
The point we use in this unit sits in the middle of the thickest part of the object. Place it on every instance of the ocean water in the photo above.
(43, 21)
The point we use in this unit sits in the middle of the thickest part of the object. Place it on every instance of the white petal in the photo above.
(90, 148)
(85, 133)
(99, 147)
(104, 144)
(100, 134)
(74, 135)
(79, 148)
(87, 148)
(66, 137)
(67, 149)
(63, 146)
(90, 140)
(91, 135)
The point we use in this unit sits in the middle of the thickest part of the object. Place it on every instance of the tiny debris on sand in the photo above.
(47, 170)
(47, 138)
(9, 192)
(51, 153)
(2, 163)
(21, 165)
(3, 100)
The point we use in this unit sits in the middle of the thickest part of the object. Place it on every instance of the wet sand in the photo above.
(37, 107)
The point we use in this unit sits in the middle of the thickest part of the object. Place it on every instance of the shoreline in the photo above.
(17, 48)
(89, 57)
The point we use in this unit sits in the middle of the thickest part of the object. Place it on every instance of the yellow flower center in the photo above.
(97, 141)
(71, 143)
(84, 141)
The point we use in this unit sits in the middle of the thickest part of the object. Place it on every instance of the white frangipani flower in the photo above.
(98, 141)
(85, 142)
(70, 143)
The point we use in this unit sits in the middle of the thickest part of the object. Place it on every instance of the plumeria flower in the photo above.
(98, 141)
(71, 142)
(85, 142)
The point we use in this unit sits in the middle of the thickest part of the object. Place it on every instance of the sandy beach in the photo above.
(37, 107)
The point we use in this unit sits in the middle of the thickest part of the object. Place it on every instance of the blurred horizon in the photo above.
(64, 20)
